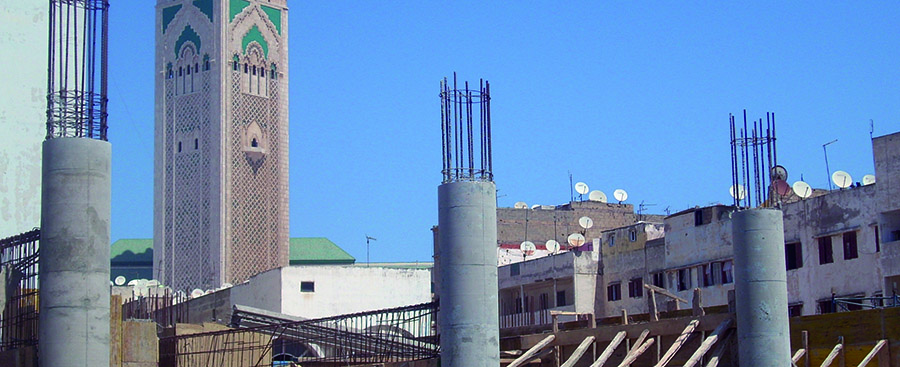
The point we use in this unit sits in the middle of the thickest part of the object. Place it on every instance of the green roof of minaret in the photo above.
(274, 15)
(168, 14)
(255, 35)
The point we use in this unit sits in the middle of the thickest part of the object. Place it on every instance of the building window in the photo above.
(793, 255)
(708, 277)
(307, 287)
(727, 272)
(196, 67)
(825, 255)
(659, 279)
(850, 246)
(614, 292)
(196, 143)
(544, 301)
(632, 235)
(612, 239)
(179, 147)
(877, 240)
(560, 298)
(169, 73)
(253, 70)
(684, 280)
(518, 304)
(189, 70)
(262, 72)
(795, 310)
(205, 62)
(826, 306)
(180, 70)
(514, 269)
(246, 68)
(636, 288)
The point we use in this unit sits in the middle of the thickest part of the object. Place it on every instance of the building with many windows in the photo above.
(221, 157)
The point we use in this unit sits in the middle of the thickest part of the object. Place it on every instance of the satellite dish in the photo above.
(528, 248)
(841, 179)
(585, 222)
(576, 239)
(868, 180)
(133, 282)
(779, 173)
(520, 205)
(552, 246)
(597, 195)
(120, 280)
(782, 188)
(802, 189)
(197, 292)
(153, 283)
(620, 195)
(535, 206)
(740, 193)
(581, 188)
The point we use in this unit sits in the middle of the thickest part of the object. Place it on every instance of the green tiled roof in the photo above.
(131, 251)
(318, 250)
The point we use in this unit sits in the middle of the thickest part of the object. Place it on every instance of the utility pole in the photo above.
(368, 238)
(827, 170)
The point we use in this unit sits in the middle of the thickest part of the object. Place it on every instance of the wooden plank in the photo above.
(537, 357)
(716, 355)
(678, 343)
(665, 293)
(651, 305)
(576, 355)
(708, 343)
(636, 352)
(799, 354)
(532, 351)
(881, 343)
(609, 349)
(832, 355)
(641, 337)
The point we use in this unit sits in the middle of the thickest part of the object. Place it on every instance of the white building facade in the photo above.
(221, 157)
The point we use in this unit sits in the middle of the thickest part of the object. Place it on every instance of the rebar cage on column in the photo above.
(460, 109)
(76, 72)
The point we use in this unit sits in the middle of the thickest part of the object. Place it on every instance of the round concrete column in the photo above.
(74, 253)
(467, 239)
(760, 287)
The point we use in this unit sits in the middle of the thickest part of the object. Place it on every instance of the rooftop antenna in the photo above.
(827, 170)
(641, 208)
(571, 193)
(368, 238)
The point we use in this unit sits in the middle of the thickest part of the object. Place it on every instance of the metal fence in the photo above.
(19, 291)
(161, 305)
(383, 336)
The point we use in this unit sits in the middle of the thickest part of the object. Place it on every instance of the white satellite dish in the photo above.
(782, 188)
(576, 239)
(197, 292)
(528, 248)
(597, 195)
(552, 246)
(520, 205)
(133, 282)
(581, 188)
(779, 173)
(620, 195)
(535, 206)
(738, 192)
(120, 280)
(152, 283)
(868, 180)
(585, 222)
(841, 179)
(802, 189)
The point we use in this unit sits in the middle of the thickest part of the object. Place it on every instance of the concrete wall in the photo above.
(23, 25)
(625, 259)
(886, 150)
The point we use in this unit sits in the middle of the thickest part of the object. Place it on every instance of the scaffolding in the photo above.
(19, 291)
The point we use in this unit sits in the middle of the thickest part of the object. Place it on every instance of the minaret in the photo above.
(221, 160)
(75, 190)
(468, 320)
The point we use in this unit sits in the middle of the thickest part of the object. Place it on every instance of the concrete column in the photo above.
(74, 263)
(761, 288)
(469, 315)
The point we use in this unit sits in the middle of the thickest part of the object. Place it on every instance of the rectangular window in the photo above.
(877, 240)
(612, 240)
(684, 280)
(514, 269)
(518, 304)
(795, 310)
(307, 287)
(614, 292)
(727, 272)
(826, 306)
(545, 301)
(636, 288)
(659, 279)
(196, 143)
(632, 235)
(825, 255)
(179, 147)
(560, 298)
(850, 245)
(698, 217)
(708, 276)
(793, 255)
(196, 67)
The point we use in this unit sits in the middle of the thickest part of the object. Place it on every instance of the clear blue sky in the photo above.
(633, 96)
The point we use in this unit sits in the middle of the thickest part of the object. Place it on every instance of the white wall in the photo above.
(23, 91)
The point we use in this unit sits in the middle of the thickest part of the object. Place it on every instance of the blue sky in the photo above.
(632, 95)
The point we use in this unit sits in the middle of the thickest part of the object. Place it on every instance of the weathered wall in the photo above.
(23, 25)
(260, 291)
(831, 215)
(624, 260)
(886, 150)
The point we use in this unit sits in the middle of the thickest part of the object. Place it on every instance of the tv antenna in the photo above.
(641, 208)
(368, 238)
(827, 170)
